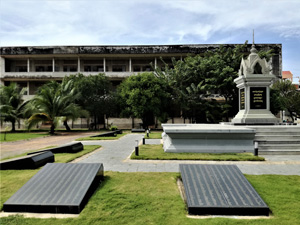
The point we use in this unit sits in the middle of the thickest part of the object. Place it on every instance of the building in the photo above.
(32, 66)
(287, 75)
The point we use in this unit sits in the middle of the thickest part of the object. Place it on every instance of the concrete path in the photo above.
(115, 157)
(9, 149)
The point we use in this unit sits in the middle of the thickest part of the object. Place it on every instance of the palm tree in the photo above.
(12, 104)
(54, 103)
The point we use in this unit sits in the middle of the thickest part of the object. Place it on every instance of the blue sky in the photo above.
(146, 22)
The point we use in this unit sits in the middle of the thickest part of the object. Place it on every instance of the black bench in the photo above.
(28, 162)
(67, 148)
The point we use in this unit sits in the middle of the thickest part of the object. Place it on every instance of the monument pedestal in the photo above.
(257, 117)
(254, 81)
(207, 138)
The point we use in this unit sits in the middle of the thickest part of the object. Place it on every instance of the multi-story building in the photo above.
(32, 66)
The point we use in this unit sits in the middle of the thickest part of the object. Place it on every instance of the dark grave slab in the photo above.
(107, 134)
(67, 148)
(119, 131)
(57, 188)
(138, 130)
(28, 162)
(220, 190)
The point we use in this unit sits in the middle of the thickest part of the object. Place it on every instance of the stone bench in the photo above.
(67, 148)
(32, 161)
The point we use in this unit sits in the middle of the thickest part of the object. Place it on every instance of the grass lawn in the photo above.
(153, 198)
(156, 152)
(21, 136)
(102, 138)
(64, 157)
(154, 135)
(68, 157)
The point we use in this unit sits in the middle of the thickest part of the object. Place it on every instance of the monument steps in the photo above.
(278, 140)
(270, 138)
(279, 146)
(279, 152)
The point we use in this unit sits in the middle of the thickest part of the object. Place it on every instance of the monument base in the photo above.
(207, 138)
(254, 117)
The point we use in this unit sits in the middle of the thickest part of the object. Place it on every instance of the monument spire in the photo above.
(253, 49)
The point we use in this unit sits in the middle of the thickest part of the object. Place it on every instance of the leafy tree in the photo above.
(145, 97)
(95, 95)
(12, 104)
(288, 97)
(215, 71)
(54, 103)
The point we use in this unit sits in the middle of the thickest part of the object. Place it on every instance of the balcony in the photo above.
(59, 75)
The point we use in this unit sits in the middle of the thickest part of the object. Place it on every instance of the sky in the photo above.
(151, 22)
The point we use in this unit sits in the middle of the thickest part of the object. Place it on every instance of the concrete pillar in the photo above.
(78, 66)
(28, 66)
(27, 87)
(155, 63)
(104, 65)
(53, 65)
(130, 65)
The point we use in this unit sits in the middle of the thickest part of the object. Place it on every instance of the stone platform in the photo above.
(207, 138)
(57, 188)
(220, 190)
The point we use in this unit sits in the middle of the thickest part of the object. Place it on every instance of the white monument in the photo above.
(207, 138)
(255, 78)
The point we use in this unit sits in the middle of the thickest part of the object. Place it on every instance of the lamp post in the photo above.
(137, 148)
(256, 148)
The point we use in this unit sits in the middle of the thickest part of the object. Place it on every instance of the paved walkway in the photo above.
(114, 156)
(9, 149)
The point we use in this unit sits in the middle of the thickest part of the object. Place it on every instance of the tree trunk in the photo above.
(67, 126)
(52, 129)
(13, 126)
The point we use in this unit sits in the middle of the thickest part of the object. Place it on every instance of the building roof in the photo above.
(286, 73)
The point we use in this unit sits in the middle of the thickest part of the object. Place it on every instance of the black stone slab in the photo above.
(138, 130)
(57, 188)
(28, 162)
(220, 190)
(107, 134)
(67, 148)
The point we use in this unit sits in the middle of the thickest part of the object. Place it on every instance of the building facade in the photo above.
(32, 66)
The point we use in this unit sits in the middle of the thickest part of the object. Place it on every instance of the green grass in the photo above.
(63, 157)
(154, 135)
(102, 138)
(68, 157)
(156, 152)
(153, 198)
(20, 136)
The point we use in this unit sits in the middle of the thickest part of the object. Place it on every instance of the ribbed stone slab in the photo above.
(57, 188)
(66, 148)
(220, 190)
(28, 162)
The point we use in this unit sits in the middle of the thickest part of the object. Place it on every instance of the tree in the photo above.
(12, 104)
(95, 95)
(54, 103)
(145, 97)
(215, 71)
(288, 97)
